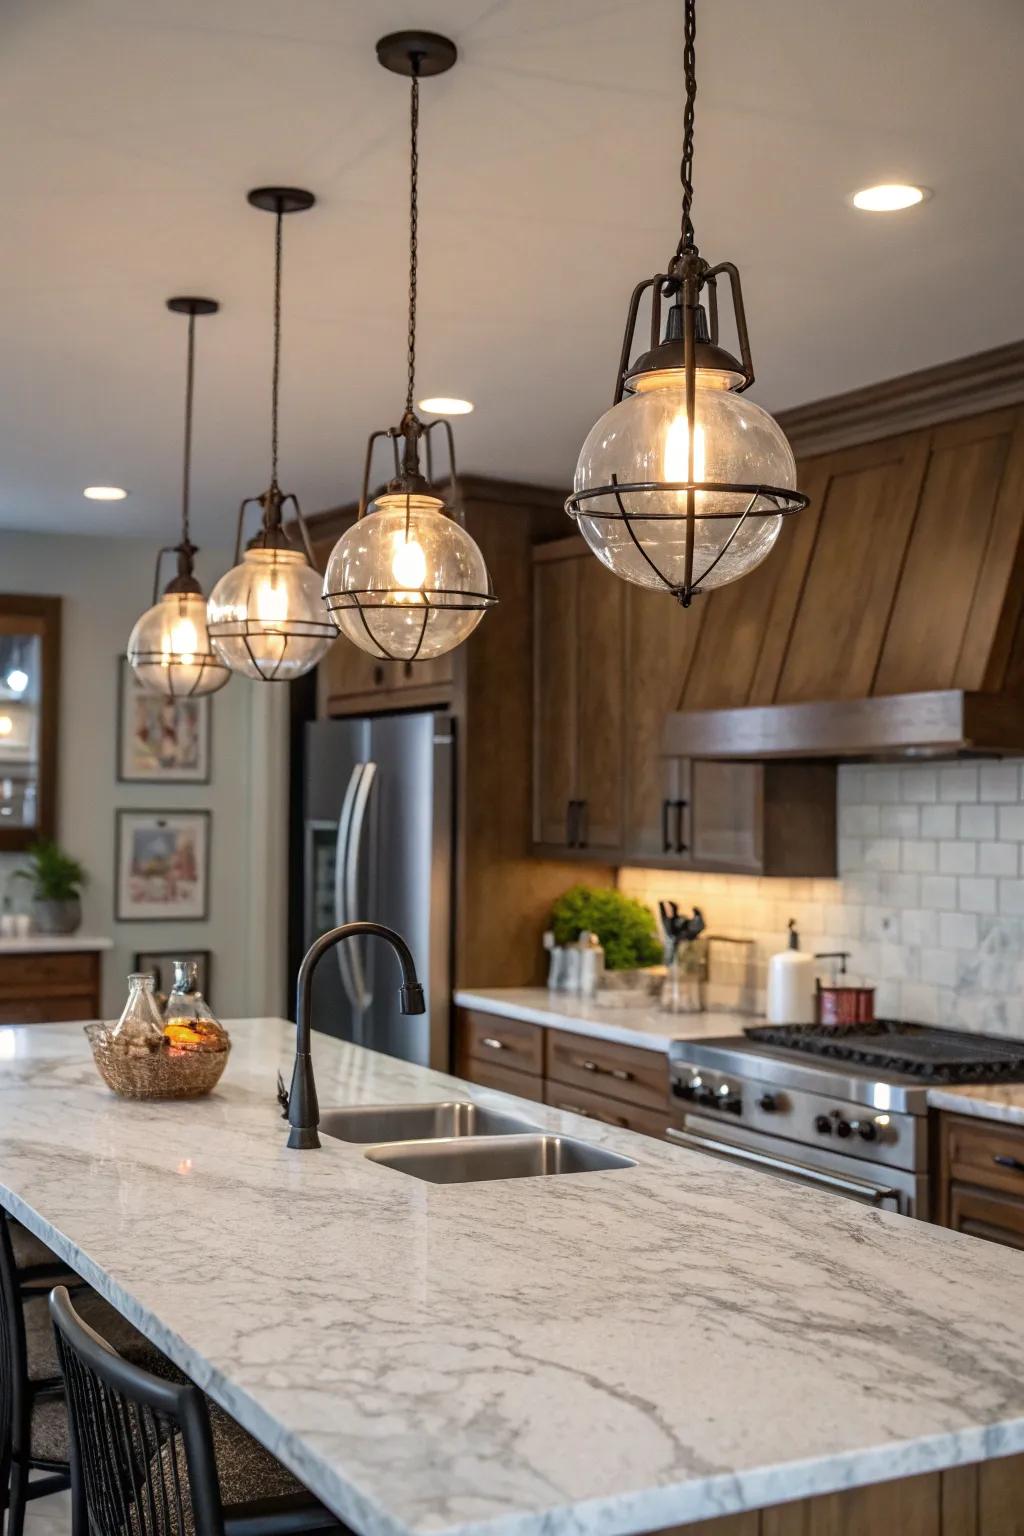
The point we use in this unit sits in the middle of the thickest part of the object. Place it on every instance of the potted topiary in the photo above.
(56, 879)
(628, 935)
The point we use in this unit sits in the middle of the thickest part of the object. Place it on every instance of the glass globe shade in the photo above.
(266, 616)
(645, 437)
(406, 581)
(169, 648)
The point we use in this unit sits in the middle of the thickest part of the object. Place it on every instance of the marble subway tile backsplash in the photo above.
(929, 899)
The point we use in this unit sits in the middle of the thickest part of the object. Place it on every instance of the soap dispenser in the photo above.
(791, 977)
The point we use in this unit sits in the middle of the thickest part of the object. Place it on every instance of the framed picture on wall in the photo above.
(159, 963)
(160, 741)
(162, 866)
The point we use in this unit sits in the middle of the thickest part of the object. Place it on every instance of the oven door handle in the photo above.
(877, 1194)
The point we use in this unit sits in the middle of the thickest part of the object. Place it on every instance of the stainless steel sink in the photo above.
(498, 1157)
(419, 1122)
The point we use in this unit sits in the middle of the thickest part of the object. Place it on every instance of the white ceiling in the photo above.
(549, 187)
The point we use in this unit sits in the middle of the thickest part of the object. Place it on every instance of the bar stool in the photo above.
(154, 1458)
(34, 1454)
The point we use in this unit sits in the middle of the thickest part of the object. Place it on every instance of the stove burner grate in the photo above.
(912, 1050)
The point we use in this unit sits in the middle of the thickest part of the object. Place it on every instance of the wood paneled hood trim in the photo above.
(888, 619)
(985, 381)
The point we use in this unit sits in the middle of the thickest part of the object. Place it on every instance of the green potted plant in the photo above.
(56, 880)
(625, 927)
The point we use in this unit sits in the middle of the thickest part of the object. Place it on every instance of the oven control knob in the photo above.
(733, 1105)
(684, 1090)
(844, 1128)
(707, 1097)
(823, 1125)
(868, 1131)
(769, 1103)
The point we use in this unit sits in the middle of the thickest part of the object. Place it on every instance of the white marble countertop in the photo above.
(648, 1027)
(51, 943)
(986, 1101)
(598, 1355)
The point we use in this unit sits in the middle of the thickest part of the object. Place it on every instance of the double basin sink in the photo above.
(457, 1142)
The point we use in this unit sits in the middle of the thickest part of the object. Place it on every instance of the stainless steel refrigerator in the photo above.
(378, 819)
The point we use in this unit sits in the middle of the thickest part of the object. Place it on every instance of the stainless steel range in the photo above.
(840, 1107)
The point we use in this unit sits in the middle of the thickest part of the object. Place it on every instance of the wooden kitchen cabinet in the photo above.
(40, 987)
(981, 1178)
(579, 701)
(622, 1085)
(609, 662)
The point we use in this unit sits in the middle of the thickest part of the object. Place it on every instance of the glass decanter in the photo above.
(188, 1021)
(140, 1023)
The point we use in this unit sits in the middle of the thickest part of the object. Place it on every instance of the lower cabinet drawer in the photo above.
(983, 1152)
(982, 1213)
(29, 975)
(47, 1010)
(627, 1072)
(490, 1075)
(506, 1042)
(577, 1101)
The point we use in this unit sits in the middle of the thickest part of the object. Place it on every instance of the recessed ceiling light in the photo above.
(889, 197)
(446, 405)
(104, 493)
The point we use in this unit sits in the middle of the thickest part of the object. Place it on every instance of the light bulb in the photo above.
(6, 725)
(409, 566)
(266, 616)
(644, 440)
(406, 582)
(271, 600)
(169, 648)
(17, 680)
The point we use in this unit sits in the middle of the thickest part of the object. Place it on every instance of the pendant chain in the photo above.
(186, 468)
(276, 374)
(686, 240)
(414, 187)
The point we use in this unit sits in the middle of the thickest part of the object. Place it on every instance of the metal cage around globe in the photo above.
(266, 616)
(643, 442)
(406, 582)
(169, 648)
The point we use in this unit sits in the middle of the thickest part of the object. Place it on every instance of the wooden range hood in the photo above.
(889, 620)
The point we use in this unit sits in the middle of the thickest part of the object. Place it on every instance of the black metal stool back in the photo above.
(142, 1458)
(13, 1369)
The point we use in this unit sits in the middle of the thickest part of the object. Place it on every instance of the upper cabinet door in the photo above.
(660, 641)
(862, 519)
(600, 706)
(726, 816)
(555, 650)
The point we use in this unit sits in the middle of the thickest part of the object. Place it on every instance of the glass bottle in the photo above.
(140, 1023)
(188, 1021)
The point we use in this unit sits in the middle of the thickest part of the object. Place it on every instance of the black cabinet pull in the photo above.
(582, 823)
(666, 836)
(572, 824)
(680, 807)
(1009, 1162)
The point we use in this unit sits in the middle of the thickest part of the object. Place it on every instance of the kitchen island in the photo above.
(602, 1353)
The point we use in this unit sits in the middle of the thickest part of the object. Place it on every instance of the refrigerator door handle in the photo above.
(352, 871)
(341, 857)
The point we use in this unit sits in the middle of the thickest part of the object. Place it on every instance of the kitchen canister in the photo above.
(791, 992)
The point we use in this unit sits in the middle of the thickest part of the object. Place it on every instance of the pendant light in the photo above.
(406, 581)
(169, 648)
(683, 484)
(266, 615)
